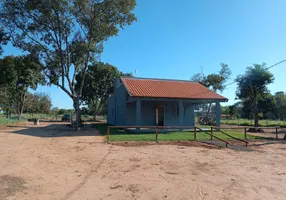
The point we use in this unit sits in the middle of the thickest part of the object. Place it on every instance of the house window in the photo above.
(177, 111)
(113, 110)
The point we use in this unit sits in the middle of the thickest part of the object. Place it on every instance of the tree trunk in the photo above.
(94, 116)
(19, 116)
(256, 120)
(256, 115)
(77, 113)
(208, 111)
(255, 109)
(7, 113)
(21, 103)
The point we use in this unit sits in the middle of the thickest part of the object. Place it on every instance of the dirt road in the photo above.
(52, 162)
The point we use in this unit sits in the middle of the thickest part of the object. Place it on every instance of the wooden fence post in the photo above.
(276, 133)
(195, 133)
(156, 134)
(212, 132)
(245, 136)
(108, 135)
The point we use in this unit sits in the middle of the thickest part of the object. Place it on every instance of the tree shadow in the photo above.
(56, 130)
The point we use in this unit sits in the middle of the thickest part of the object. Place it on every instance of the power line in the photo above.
(235, 81)
(276, 64)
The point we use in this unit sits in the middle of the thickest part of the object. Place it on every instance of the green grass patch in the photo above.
(122, 135)
(10, 121)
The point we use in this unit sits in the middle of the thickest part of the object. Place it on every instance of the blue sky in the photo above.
(174, 39)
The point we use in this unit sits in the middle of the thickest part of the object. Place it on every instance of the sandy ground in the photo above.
(51, 162)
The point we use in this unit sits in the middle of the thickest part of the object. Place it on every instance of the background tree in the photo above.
(65, 35)
(18, 74)
(38, 103)
(215, 81)
(32, 104)
(253, 84)
(99, 83)
(234, 111)
(266, 106)
(225, 111)
(280, 106)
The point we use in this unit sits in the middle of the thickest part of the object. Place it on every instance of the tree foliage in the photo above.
(4, 38)
(99, 83)
(252, 86)
(214, 81)
(280, 105)
(18, 75)
(65, 35)
(38, 103)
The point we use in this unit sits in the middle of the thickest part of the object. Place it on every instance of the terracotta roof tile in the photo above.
(160, 88)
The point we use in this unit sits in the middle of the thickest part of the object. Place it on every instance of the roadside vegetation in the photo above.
(248, 122)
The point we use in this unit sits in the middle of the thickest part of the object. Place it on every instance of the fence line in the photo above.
(195, 129)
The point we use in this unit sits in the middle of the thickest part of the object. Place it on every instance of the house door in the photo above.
(160, 115)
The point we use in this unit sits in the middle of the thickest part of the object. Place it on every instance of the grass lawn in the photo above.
(122, 135)
(5, 121)
(247, 122)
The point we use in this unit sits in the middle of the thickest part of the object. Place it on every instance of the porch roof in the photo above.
(171, 89)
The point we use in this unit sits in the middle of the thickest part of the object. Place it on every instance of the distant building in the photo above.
(158, 102)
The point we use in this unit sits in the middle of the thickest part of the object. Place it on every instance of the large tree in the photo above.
(65, 35)
(253, 85)
(18, 74)
(214, 81)
(99, 83)
(4, 38)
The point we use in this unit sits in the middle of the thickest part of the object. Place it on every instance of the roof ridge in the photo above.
(159, 79)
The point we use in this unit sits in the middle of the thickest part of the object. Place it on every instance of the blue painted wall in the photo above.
(120, 103)
(111, 110)
(121, 113)
(148, 114)
(117, 105)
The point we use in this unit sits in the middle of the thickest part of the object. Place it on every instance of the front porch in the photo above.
(164, 112)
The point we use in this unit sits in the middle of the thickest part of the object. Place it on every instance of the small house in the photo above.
(158, 102)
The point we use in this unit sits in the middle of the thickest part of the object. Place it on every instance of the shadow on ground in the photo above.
(56, 130)
(270, 142)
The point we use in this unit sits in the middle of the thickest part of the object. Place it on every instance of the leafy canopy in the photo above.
(252, 87)
(18, 74)
(99, 83)
(214, 81)
(253, 82)
(64, 35)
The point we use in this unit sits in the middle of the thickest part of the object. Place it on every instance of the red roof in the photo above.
(161, 88)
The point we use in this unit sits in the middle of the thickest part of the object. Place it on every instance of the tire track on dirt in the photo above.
(88, 176)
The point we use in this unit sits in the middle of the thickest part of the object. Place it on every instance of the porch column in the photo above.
(192, 117)
(217, 114)
(181, 113)
(138, 114)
